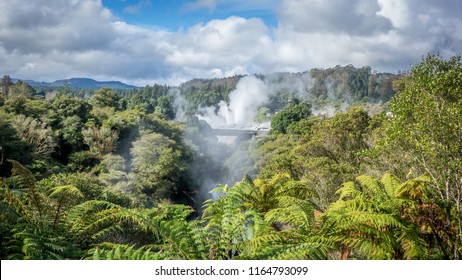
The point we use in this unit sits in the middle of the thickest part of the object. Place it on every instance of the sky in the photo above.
(144, 42)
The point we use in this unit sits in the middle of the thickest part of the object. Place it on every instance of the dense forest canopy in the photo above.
(356, 165)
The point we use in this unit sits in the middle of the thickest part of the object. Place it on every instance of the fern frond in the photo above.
(68, 190)
(390, 182)
(415, 188)
(110, 251)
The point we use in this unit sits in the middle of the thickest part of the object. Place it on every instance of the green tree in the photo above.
(21, 88)
(6, 83)
(263, 219)
(427, 128)
(369, 219)
(11, 146)
(101, 140)
(289, 116)
(262, 115)
(37, 134)
(64, 106)
(104, 97)
(157, 167)
(328, 152)
(165, 107)
(29, 218)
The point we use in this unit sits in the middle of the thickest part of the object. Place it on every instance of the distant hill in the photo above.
(80, 83)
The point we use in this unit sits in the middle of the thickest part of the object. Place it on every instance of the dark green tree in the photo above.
(5, 85)
(290, 116)
(104, 97)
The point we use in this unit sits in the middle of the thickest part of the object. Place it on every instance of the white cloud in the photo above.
(395, 10)
(219, 43)
(387, 34)
(358, 17)
(51, 39)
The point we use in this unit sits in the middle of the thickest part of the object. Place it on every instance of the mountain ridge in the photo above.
(79, 83)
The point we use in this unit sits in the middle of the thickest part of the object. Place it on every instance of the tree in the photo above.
(6, 84)
(101, 140)
(11, 146)
(21, 88)
(105, 97)
(172, 235)
(157, 167)
(165, 107)
(271, 218)
(37, 134)
(32, 219)
(289, 116)
(427, 128)
(64, 106)
(369, 219)
(329, 154)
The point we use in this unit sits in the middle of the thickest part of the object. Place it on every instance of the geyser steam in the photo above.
(250, 94)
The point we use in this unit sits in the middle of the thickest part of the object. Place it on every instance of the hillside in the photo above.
(80, 83)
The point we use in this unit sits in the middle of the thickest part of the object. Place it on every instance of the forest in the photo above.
(356, 164)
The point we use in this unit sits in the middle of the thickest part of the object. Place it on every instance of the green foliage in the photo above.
(21, 88)
(289, 116)
(110, 251)
(368, 222)
(101, 140)
(37, 134)
(165, 107)
(104, 97)
(11, 146)
(263, 219)
(64, 106)
(205, 93)
(29, 213)
(97, 174)
(157, 167)
(329, 152)
(5, 84)
(263, 115)
(426, 127)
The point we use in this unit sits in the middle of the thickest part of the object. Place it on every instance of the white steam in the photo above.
(250, 94)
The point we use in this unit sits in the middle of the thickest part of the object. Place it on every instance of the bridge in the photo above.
(237, 132)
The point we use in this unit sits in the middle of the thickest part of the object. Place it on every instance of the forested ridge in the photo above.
(357, 165)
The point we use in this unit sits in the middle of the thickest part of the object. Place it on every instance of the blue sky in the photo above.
(159, 41)
(174, 15)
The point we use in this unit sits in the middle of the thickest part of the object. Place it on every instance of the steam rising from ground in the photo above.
(225, 160)
(250, 94)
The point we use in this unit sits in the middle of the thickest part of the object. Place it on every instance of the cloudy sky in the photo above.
(167, 41)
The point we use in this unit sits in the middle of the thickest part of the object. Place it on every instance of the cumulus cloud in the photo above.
(220, 47)
(385, 34)
(51, 39)
(356, 17)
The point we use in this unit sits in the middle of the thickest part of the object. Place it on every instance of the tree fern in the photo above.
(40, 244)
(272, 218)
(230, 221)
(175, 236)
(110, 251)
(368, 218)
(29, 200)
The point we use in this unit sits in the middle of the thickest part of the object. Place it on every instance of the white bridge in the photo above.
(238, 132)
